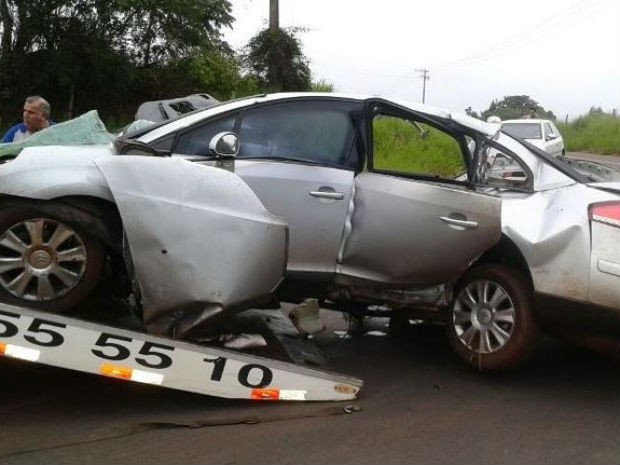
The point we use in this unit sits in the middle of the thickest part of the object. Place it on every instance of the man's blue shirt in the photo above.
(10, 134)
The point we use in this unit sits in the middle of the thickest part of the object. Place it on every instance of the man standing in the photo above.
(531, 114)
(36, 117)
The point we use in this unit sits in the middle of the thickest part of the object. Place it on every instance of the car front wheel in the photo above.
(492, 325)
(46, 262)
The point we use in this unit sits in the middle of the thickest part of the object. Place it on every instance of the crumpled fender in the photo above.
(201, 241)
(56, 171)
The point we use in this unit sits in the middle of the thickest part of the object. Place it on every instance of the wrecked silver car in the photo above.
(434, 215)
(194, 240)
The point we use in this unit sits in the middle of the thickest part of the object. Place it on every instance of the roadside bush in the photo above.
(595, 133)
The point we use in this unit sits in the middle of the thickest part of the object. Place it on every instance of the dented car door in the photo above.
(416, 233)
(414, 219)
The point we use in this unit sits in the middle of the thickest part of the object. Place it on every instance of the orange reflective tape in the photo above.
(2, 348)
(265, 394)
(115, 371)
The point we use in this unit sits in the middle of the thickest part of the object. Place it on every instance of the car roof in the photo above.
(489, 129)
(431, 110)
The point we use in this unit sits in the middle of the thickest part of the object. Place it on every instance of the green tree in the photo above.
(157, 31)
(146, 31)
(516, 106)
(275, 59)
(104, 54)
(211, 68)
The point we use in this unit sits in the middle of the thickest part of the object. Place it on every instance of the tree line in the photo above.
(111, 55)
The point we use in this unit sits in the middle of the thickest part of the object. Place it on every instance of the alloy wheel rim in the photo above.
(41, 259)
(484, 316)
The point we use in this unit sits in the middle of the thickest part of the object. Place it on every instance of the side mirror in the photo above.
(224, 145)
(551, 137)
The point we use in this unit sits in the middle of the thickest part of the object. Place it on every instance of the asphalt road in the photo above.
(419, 404)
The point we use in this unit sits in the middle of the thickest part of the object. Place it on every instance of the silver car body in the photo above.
(183, 224)
(557, 213)
(552, 228)
(367, 234)
(322, 203)
(549, 224)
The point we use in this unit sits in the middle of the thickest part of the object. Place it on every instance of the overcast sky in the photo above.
(565, 54)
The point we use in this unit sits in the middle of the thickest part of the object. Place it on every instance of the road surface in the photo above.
(419, 405)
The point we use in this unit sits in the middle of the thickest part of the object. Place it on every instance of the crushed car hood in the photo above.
(84, 152)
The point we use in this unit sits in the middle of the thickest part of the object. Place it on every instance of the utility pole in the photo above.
(274, 20)
(425, 77)
(275, 73)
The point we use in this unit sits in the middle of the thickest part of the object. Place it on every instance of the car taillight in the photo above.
(607, 212)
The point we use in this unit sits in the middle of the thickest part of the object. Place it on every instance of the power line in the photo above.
(573, 14)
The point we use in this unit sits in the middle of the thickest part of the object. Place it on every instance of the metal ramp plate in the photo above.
(105, 350)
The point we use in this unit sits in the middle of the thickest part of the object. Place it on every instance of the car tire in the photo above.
(47, 260)
(491, 324)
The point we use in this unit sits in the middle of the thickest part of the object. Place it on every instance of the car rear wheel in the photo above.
(492, 325)
(46, 261)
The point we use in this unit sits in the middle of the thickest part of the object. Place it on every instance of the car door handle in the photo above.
(327, 195)
(464, 224)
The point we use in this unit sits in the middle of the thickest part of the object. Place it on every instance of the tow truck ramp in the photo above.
(105, 350)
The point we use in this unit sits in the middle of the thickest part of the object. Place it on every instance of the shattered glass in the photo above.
(87, 129)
